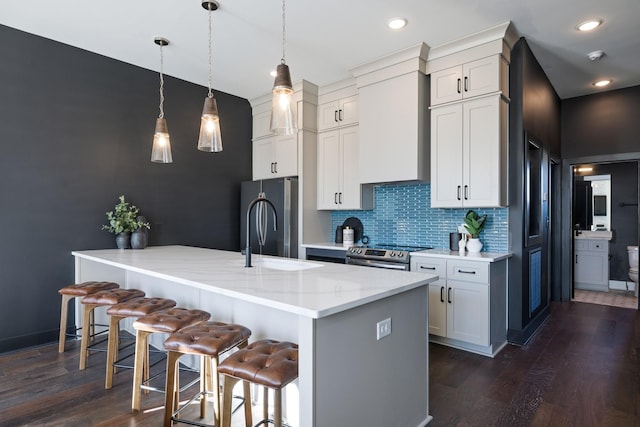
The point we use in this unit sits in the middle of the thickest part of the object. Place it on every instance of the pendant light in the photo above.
(210, 139)
(282, 118)
(161, 151)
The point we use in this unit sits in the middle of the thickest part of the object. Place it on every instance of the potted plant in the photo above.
(122, 221)
(474, 224)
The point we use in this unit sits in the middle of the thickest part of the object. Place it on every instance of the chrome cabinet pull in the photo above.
(441, 293)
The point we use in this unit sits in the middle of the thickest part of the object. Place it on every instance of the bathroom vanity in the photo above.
(591, 260)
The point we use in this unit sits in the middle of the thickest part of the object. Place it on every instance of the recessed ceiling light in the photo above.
(396, 23)
(602, 83)
(273, 73)
(595, 55)
(589, 25)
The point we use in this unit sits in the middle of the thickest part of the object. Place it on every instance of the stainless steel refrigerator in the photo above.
(283, 193)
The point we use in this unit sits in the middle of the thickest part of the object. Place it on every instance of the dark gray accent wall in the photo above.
(534, 113)
(75, 133)
(601, 124)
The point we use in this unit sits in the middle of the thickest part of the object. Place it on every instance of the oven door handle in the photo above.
(372, 263)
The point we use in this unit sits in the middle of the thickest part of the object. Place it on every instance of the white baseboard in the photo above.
(621, 285)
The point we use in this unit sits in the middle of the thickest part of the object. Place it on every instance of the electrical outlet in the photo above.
(383, 328)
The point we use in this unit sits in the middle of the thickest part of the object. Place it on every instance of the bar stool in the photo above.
(100, 299)
(75, 291)
(165, 321)
(271, 364)
(209, 340)
(136, 307)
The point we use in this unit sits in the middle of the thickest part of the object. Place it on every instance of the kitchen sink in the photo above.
(284, 264)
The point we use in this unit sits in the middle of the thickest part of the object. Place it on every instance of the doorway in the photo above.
(604, 224)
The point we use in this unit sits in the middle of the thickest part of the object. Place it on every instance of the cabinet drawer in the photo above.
(598, 246)
(580, 245)
(468, 271)
(428, 265)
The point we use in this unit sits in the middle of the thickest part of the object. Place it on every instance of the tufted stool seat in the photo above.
(100, 299)
(209, 340)
(135, 307)
(74, 291)
(271, 364)
(164, 321)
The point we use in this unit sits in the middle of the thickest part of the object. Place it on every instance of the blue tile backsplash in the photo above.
(403, 216)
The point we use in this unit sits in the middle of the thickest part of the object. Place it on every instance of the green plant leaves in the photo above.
(474, 223)
(123, 218)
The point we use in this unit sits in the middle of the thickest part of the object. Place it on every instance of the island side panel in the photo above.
(364, 381)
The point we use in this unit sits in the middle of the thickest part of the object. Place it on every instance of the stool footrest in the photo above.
(175, 418)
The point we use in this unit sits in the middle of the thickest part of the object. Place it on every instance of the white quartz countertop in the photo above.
(323, 290)
(326, 245)
(476, 256)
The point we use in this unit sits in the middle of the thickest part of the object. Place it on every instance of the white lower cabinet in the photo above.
(591, 264)
(467, 305)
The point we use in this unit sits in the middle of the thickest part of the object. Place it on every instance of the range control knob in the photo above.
(359, 251)
(393, 254)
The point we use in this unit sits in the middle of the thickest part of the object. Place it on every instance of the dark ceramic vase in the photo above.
(123, 240)
(139, 239)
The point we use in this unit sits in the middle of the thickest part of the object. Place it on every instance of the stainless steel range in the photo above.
(382, 256)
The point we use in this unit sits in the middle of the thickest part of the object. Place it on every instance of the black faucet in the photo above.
(247, 251)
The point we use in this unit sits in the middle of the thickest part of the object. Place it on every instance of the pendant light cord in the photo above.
(283, 31)
(161, 84)
(210, 94)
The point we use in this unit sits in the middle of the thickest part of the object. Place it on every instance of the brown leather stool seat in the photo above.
(135, 307)
(74, 291)
(209, 340)
(272, 364)
(165, 321)
(100, 299)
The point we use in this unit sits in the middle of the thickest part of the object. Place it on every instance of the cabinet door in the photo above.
(286, 156)
(446, 156)
(328, 115)
(482, 147)
(263, 158)
(262, 125)
(348, 111)
(438, 308)
(468, 312)
(349, 191)
(328, 169)
(481, 77)
(446, 85)
(591, 268)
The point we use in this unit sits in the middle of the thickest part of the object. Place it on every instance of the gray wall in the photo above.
(75, 133)
(534, 112)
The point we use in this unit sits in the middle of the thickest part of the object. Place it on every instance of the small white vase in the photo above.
(474, 245)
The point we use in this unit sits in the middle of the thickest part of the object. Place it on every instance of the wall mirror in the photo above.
(600, 201)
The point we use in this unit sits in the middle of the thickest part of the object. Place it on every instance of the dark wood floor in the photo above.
(581, 369)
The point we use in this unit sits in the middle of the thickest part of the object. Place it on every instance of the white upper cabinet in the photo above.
(468, 154)
(342, 112)
(475, 78)
(275, 157)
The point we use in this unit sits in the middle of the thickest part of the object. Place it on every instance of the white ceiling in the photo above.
(326, 39)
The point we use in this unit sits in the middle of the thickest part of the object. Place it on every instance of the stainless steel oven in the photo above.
(382, 256)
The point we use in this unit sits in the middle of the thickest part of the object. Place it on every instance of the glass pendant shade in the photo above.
(161, 151)
(210, 138)
(283, 120)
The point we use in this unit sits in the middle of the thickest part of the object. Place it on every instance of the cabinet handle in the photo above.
(466, 272)
(335, 198)
(271, 167)
(459, 192)
(441, 293)
(427, 268)
(466, 84)
(449, 295)
(576, 258)
(340, 115)
(335, 116)
(466, 192)
(459, 91)
(275, 167)
(340, 197)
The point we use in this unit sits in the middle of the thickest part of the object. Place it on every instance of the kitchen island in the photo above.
(346, 375)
